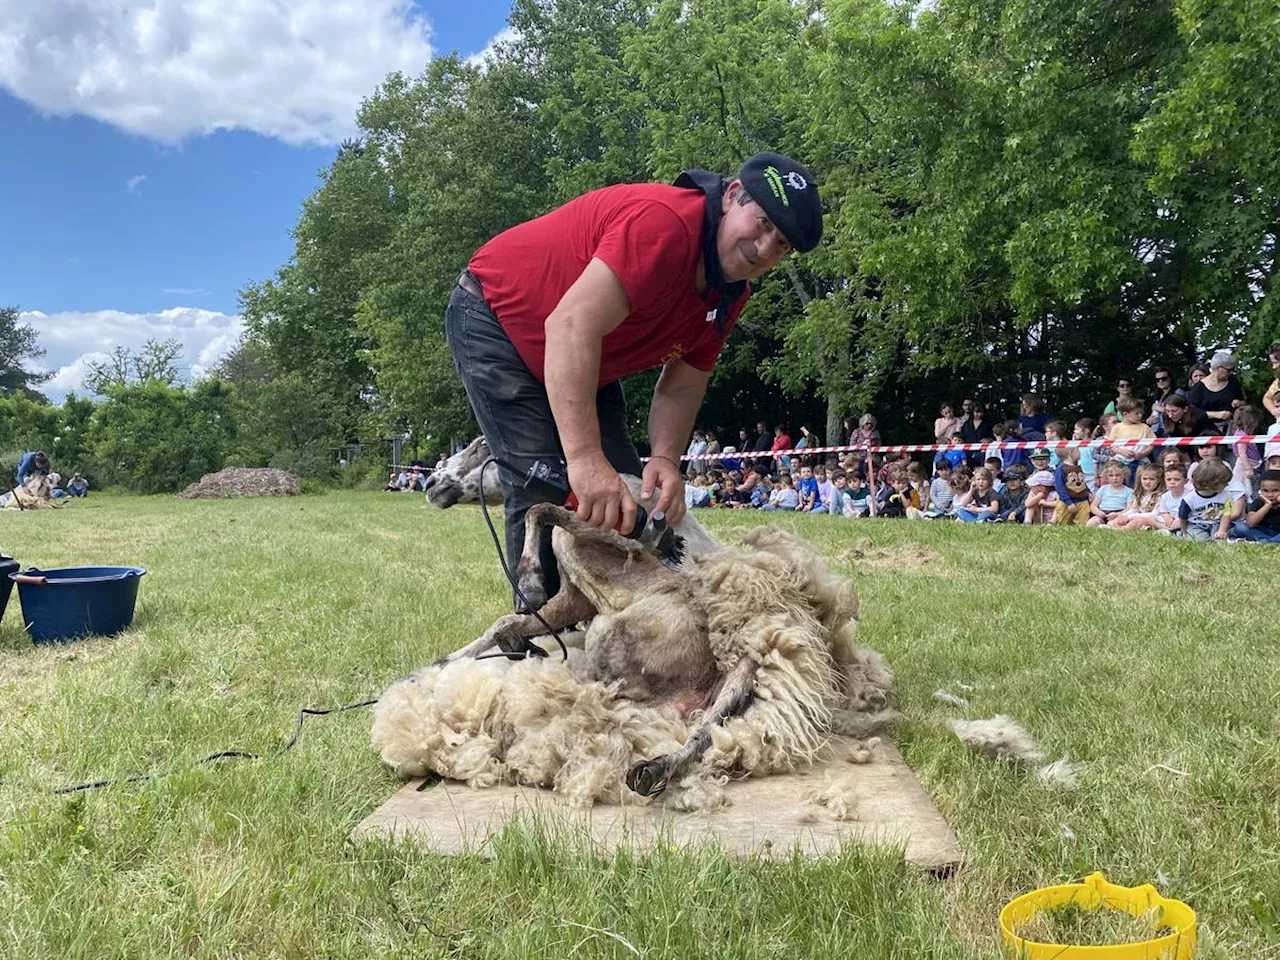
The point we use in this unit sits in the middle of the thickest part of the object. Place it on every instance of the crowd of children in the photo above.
(1223, 491)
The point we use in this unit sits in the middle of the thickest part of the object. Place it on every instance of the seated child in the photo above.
(1207, 508)
(1085, 456)
(79, 486)
(1175, 483)
(1133, 426)
(1012, 500)
(857, 499)
(697, 493)
(955, 457)
(784, 496)
(807, 490)
(993, 467)
(1261, 522)
(839, 487)
(1142, 512)
(1042, 499)
(733, 497)
(979, 503)
(902, 498)
(826, 489)
(1074, 502)
(1057, 430)
(1113, 497)
(938, 498)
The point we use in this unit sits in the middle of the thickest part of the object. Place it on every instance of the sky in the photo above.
(154, 154)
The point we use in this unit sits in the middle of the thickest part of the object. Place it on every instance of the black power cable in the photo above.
(303, 713)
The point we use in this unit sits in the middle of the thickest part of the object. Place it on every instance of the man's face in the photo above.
(967, 407)
(748, 242)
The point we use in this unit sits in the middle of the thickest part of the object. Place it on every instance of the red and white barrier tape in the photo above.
(1216, 440)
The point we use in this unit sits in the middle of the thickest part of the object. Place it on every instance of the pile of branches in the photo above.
(243, 482)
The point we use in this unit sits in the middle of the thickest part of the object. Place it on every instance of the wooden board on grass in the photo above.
(765, 815)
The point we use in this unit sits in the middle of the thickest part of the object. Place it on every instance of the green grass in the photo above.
(1126, 651)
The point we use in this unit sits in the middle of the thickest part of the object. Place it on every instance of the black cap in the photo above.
(789, 195)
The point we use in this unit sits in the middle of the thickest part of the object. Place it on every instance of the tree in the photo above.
(156, 362)
(18, 346)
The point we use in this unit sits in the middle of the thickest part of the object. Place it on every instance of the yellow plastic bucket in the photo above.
(1093, 894)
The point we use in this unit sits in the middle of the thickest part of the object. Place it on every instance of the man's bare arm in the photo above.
(676, 401)
(595, 305)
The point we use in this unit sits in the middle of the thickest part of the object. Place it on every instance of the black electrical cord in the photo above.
(502, 559)
(220, 755)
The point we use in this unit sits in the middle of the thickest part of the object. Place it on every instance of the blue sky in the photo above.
(157, 152)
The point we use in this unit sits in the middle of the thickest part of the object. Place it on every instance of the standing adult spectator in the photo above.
(808, 439)
(946, 424)
(744, 440)
(1271, 400)
(1124, 389)
(1031, 418)
(977, 429)
(1196, 374)
(867, 434)
(763, 444)
(781, 441)
(697, 447)
(1218, 394)
(713, 447)
(1159, 393)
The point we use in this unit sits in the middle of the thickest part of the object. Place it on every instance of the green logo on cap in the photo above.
(774, 179)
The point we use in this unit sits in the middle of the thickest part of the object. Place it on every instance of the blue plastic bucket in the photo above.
(70, 602)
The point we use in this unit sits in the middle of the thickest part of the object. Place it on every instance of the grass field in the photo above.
(1126, 651)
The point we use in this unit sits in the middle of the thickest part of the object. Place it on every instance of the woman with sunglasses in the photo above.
(1124, 388)
(1161, 392)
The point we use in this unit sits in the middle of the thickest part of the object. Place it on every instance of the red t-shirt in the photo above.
(650, 235)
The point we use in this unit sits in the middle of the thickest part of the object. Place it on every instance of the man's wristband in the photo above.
(658, 456)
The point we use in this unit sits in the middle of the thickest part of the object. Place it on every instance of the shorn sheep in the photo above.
(741, 662)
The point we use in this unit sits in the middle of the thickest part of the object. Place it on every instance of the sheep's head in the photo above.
(457, 480)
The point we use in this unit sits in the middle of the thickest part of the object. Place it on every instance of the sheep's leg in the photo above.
(512, 632)
(529, 572)
(650, 777)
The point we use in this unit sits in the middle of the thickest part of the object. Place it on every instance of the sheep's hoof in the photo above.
(521, 646)
(649, 777)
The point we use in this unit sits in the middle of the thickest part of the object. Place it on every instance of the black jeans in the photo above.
(514, 413)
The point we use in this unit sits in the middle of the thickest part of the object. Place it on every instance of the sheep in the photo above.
(743, 662)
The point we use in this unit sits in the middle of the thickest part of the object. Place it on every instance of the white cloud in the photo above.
(169, 69)
(183, 291)
(505, 35)
(72, 340)
(133, 183)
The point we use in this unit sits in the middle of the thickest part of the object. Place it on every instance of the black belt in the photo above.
(470, 284)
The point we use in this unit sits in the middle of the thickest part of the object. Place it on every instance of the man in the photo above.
(551, 314)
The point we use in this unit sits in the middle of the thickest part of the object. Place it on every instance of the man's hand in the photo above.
(603, 498)
(664, 476)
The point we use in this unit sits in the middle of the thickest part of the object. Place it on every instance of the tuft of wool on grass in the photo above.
(1003, 738)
